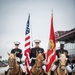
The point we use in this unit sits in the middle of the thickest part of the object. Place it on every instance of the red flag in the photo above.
(27, 46)
(51, 52)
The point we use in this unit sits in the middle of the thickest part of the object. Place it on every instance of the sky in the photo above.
(14, 15)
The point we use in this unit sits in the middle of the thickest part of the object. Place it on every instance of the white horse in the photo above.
(61, 69)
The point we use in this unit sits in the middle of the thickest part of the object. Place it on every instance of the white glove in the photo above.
(17, 59)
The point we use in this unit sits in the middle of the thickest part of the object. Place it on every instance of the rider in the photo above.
(33, 53)
(73, 64)
(18, 56)
(58, 52)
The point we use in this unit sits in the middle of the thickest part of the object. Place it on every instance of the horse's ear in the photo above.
(8, 53)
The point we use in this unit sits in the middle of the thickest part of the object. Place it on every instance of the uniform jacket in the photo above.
(59, 51)
(33, 54)
(18, 53)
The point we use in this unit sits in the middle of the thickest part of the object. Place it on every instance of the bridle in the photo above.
(37, 68)
(13, 67)
(63, 66)
(16, 73)
(61, 69)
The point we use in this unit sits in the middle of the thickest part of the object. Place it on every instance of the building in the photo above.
(69, 38)
(0, 58)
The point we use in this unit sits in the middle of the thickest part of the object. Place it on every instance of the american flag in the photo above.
(27, 45)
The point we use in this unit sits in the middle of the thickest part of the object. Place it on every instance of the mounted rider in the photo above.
(58, 52)
(33, 53)
(18, 56)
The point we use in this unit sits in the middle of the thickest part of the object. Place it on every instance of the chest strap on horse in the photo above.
(35, 74)
(32, 73)
(59, 74)
(16, 73)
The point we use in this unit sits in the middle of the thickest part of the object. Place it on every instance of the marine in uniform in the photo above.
(17, 51)
(58, 52)
(73, 64)
(33, 53)
(18, 56)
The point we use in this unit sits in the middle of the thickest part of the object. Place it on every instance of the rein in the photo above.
(16, 73)
(35, 74)
(61, 66)
(61, 69)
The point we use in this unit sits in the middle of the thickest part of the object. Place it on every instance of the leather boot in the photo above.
(52, 73)
(23, 73)
(5, 72)
(70, 73)
(45, 74)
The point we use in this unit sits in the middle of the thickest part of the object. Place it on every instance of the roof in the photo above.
(68, 36)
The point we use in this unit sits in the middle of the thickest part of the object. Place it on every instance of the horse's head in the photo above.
(40, 59)
(37, 67)
(11, 61)
(62, 61)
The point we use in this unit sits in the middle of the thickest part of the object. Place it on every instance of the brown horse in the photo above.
(73, 71)
(14, 68)
(61, 69)
(37, 67)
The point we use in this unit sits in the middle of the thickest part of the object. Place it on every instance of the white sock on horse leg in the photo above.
(22, 67)
(53, 67)
(68, 68)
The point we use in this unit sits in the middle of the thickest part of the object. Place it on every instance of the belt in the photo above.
(33, 58)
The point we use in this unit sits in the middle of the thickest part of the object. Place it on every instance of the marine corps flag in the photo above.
(51, 52)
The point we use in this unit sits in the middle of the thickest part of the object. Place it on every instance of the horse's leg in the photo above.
(73, 73)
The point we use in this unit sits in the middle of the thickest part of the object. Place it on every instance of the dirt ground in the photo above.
(1, 74)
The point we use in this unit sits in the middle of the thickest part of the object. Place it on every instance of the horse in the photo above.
(14, 68)
(73, 69)
(61, 69)
(37, 67)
